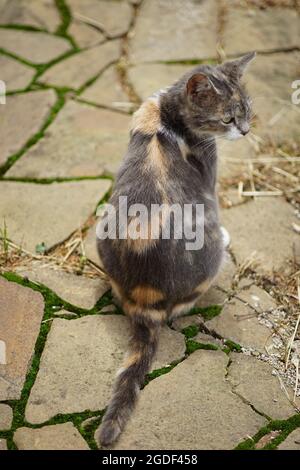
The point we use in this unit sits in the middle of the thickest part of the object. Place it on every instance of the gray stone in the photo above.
(21, 312)
(292, 442)
(6, 416)
(57, 437)
(269, 84)
(107, 90)
(3, 444)
(196, 395)
(85, 35)
(89, 62)
(77, 290)
(35, 47)
(239, 323)
(39, 213)
(266, 396)
(21, 118)
(113, 17)
(16, 76)
(40, 14)
(259, 29)
(263, 226)
(234, 159)
(259, 299)
(79, 364)
(184, 31)
(147, 79)
(82, 141)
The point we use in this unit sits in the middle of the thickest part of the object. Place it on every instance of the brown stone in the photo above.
(292, 442)
(21, 312)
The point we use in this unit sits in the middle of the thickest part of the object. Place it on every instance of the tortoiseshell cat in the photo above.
(171, 159)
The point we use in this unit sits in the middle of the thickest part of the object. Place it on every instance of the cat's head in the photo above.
(216, 100)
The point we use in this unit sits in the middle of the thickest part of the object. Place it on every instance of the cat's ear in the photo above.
(198, 84)
(236, 68)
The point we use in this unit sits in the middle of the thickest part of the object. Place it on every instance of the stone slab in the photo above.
(89, 62)
(113, 17)
(147, 79)
(292, 442)
(85, 35)
(240, 324)
(22, 117)
(21, 312)
(40, 14)
(3, 444)
(57, 437)
(263, 226)
(6, 416)
(266, 396)
(255, 29)
(107, 90)
(192, 407)
(77, 290)
(16, 75)
(47, 213)
(35, 47)
(82, 141)
(80, 360)
(184, 31)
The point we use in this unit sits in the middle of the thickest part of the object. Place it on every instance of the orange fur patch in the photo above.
(147, 118)
(146, 295)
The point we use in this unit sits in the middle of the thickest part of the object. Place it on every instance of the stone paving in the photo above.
(74, 73)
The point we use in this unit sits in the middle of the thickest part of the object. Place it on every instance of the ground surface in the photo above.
(75, 70)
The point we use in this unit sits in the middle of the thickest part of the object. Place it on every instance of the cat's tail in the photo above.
(130, 378)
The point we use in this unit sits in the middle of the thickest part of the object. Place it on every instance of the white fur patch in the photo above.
(233, 134)
(225, 236)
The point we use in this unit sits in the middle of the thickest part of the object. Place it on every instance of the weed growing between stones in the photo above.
(285, 426)
(206, 312)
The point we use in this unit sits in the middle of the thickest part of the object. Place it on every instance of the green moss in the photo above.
(192, 346)
(158, 372)
(206, 312)
(66, 18)
(285, 426)
(232, 346)
(190, 331)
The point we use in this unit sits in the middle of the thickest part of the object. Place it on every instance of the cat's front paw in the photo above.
(225, 237)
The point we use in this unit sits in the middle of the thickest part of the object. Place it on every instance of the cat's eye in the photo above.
(227, 119)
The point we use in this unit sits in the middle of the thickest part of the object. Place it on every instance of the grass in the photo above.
(285, 426)
(208, 313)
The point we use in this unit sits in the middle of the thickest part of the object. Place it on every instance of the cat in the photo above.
(171, 159)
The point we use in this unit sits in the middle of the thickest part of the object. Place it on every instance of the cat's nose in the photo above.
(244, 132)
(244, 129)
